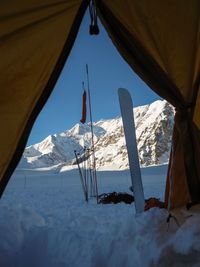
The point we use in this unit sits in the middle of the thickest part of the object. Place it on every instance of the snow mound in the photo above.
(44, 222)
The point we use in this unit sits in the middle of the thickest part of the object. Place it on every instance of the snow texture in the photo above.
(44, 222)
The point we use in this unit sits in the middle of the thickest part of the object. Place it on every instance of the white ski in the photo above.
(126, 106)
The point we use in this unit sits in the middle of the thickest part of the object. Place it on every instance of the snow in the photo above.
(154, 123)
(45, 222)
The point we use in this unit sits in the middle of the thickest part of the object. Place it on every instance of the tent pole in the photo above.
(92, 132)
(81, 176)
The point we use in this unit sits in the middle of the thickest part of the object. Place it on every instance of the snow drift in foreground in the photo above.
(44, 222)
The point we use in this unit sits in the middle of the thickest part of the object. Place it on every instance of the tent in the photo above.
(160, 40)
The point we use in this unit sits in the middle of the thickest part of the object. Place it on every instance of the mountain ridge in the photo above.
(154, 124)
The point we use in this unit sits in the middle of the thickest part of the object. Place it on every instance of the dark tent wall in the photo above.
(161, 42)
(35, 39)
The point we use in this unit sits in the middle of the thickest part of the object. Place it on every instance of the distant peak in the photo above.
(79, 129)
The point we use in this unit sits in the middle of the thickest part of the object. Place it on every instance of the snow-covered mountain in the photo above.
(154, 125)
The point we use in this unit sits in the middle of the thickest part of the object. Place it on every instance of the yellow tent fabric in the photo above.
(35, 40)
(160, 41)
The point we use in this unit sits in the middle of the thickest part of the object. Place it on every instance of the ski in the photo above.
(126, 106)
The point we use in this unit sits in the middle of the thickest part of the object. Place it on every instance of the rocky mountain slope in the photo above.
(154, 124)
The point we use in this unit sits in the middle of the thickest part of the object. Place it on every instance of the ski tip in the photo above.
(123, 95)
(122, 90)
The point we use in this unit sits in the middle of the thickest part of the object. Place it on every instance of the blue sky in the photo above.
(107, 71)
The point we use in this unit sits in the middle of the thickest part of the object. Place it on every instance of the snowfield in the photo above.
(45, 222)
